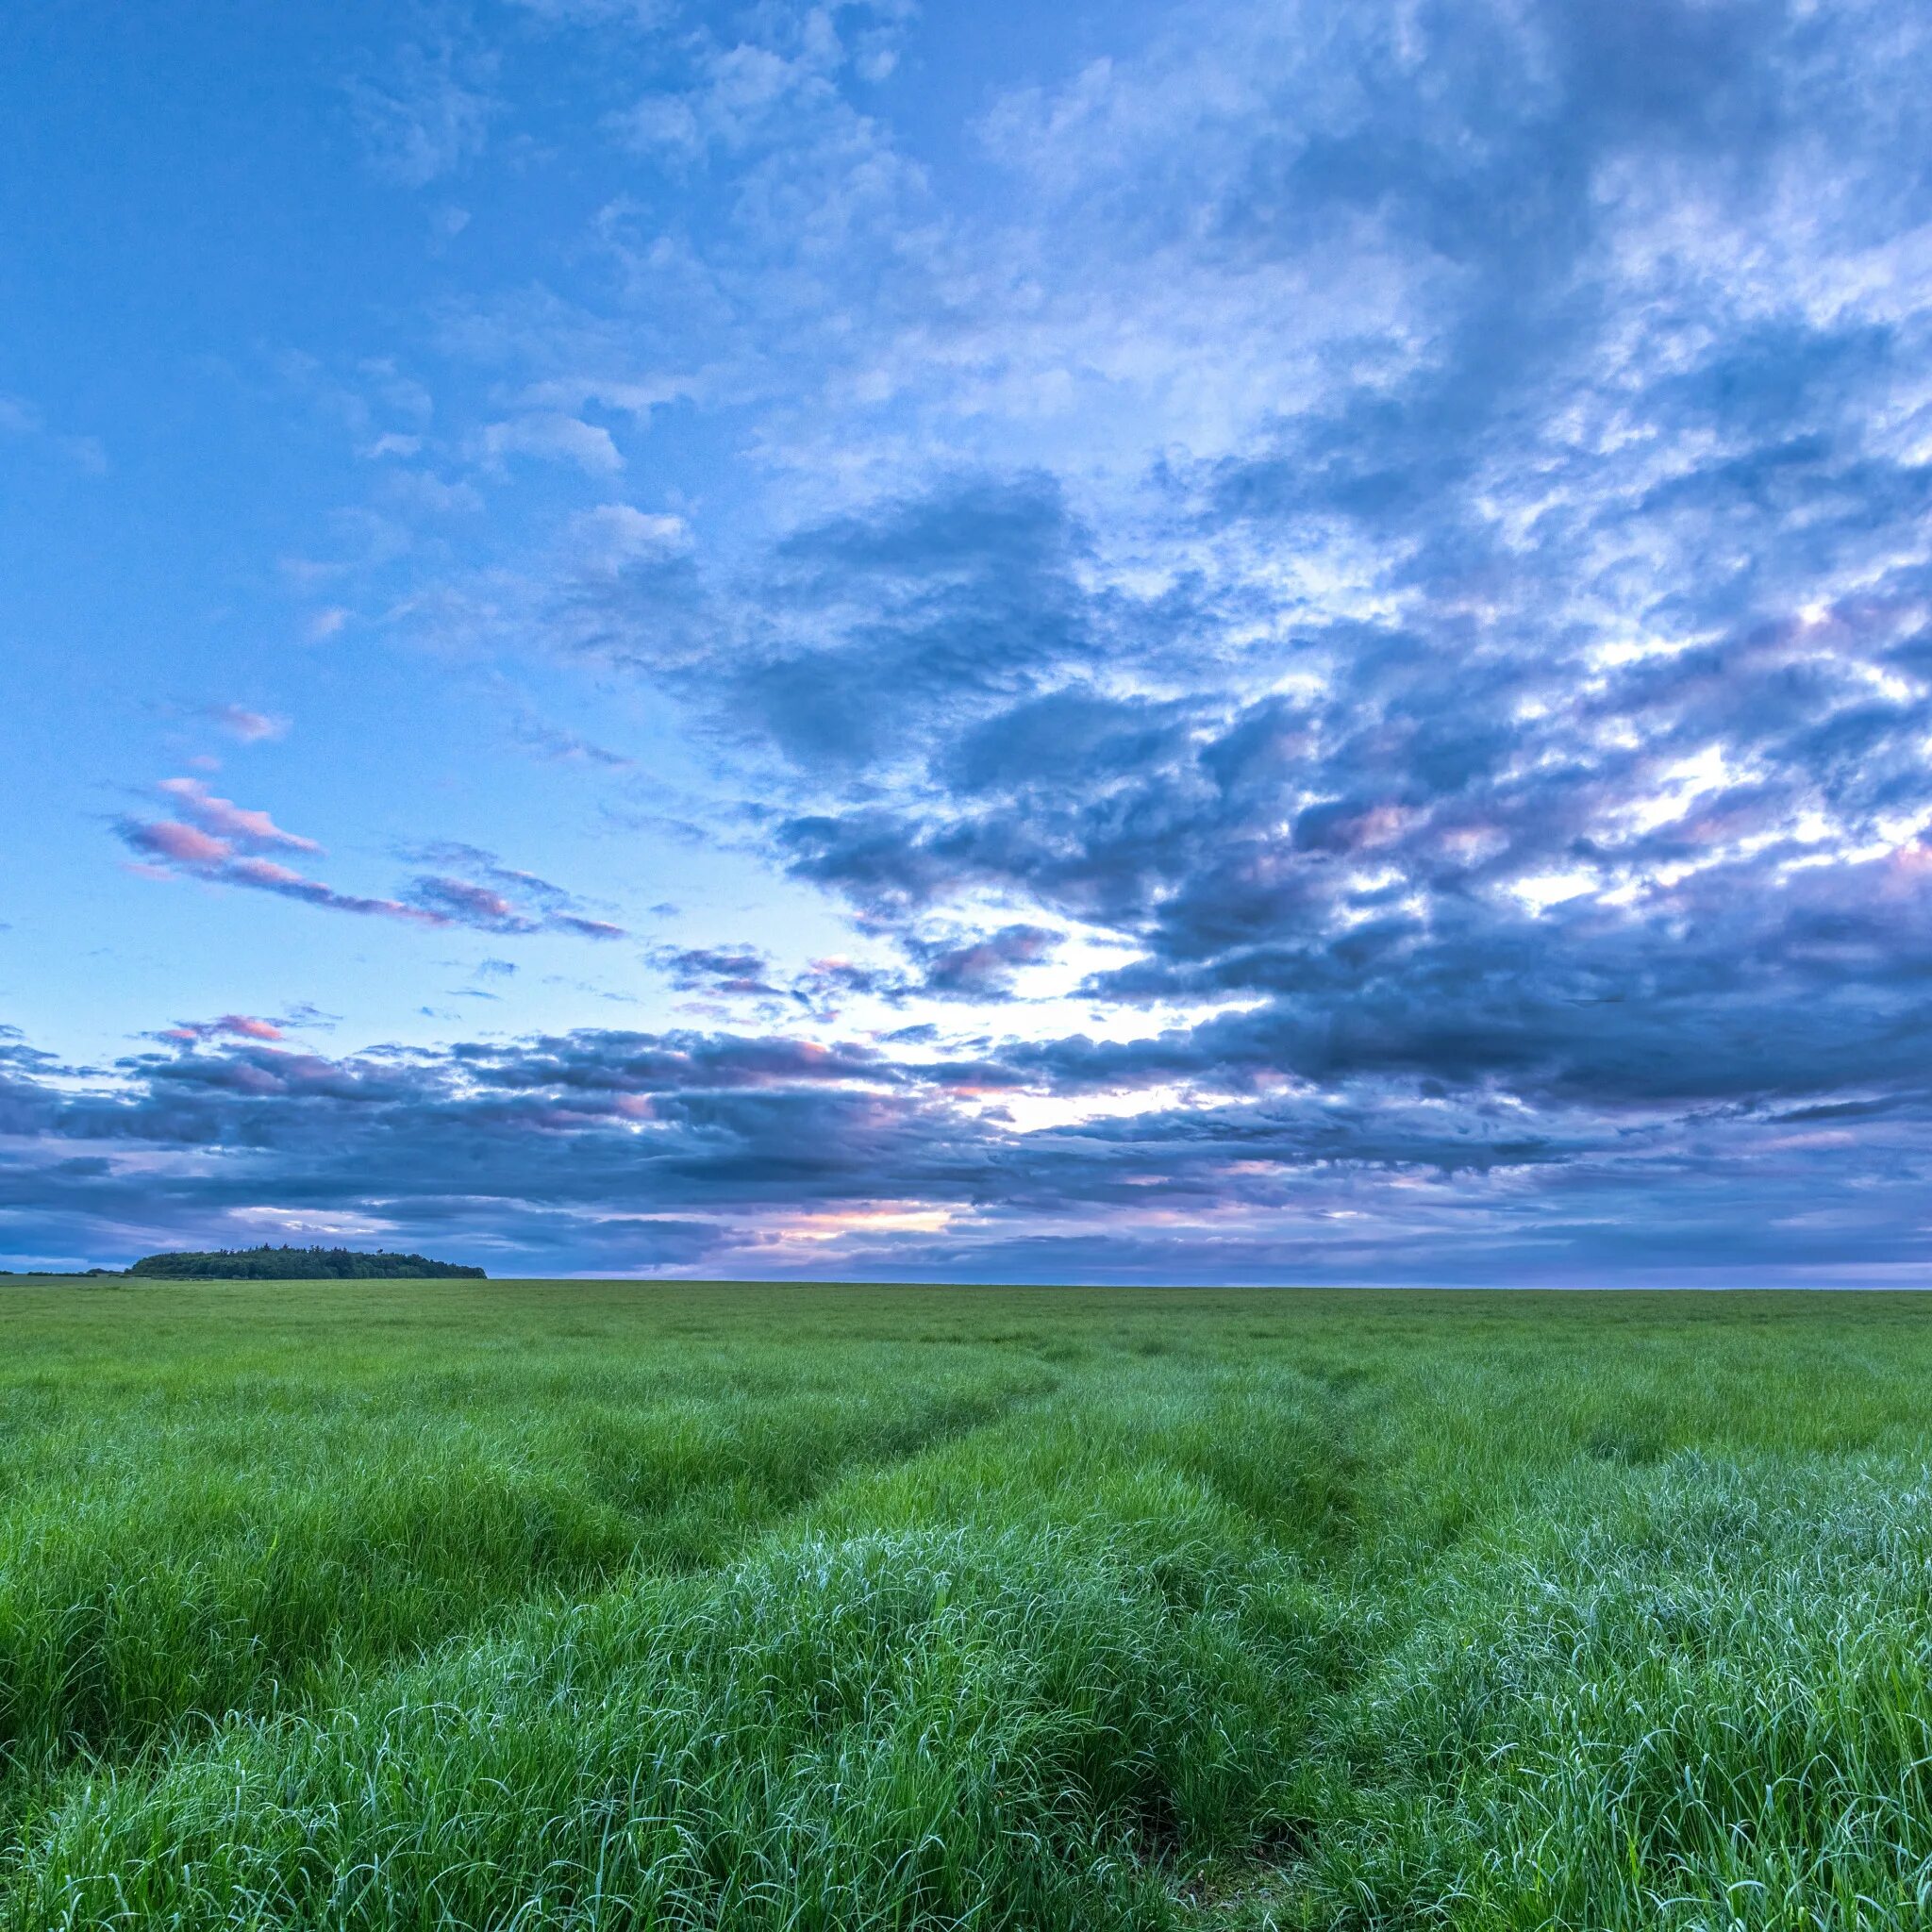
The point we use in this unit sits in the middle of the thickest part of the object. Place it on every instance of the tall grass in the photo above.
(601, 1605)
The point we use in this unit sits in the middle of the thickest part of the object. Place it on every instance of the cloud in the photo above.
(480, 891)
(221, 843)
(22, 420)
(567, 748)
(230, 1025)
(428, 115)
(463, 901)
(739, 95)
(468, 903)
(956, 967)
(981, 967)
(250, 831)
(635, 14)
(554, 438)
(249, 727)
(265, 876)
(723, 971)
(173, 842)
(616, 534)
(886, 625)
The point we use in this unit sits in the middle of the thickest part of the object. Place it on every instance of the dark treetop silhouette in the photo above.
(295, 1264)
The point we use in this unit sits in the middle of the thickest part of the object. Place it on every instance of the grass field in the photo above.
(495, 1605)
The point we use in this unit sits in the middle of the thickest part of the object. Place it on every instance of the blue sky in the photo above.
(1286, 643)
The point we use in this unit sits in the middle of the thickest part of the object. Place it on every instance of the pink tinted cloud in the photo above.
(185, 851)
(247, 1026)
(225, 842)
(517, 901)
(251, 727)
(255, 831)
(265, 873)
(473, 904)
(267, 876)
(230, 1025)
(180, 844)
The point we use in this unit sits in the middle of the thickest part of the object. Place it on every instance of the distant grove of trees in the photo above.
(297, 1265)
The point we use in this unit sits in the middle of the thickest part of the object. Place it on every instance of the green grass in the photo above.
(594, 1605)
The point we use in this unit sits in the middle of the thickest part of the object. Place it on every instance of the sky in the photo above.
(1130, 643)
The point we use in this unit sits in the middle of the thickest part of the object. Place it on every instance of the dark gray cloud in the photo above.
(723, 971)
(886, 627)
(980, 967)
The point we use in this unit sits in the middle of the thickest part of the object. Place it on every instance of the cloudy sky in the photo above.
(1085, 642)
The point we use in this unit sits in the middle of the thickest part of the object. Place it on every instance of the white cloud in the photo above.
(22, 420)
(553, 437)
(616, 534)
(428, 115)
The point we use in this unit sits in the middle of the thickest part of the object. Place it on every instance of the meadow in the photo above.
(410, 1605)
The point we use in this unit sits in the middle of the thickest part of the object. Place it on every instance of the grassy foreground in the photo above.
(597, 1605)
